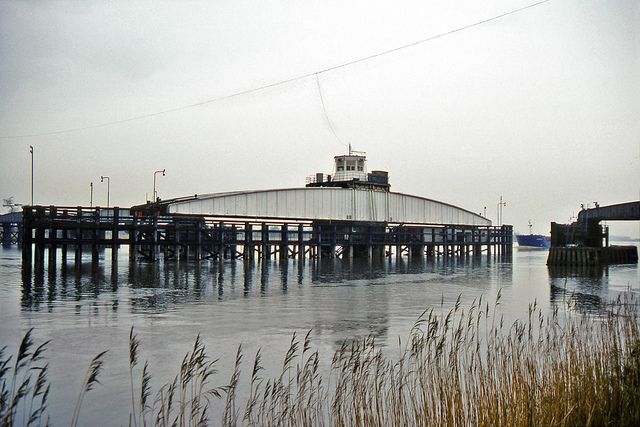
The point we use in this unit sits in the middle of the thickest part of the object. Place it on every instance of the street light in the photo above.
(31, 151)
(500, 205)
(155, 195)
(102, 178)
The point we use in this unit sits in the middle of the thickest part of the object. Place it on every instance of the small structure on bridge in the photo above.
(350, 171)
(586, 242)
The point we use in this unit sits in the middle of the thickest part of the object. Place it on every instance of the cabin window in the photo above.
(340, 168)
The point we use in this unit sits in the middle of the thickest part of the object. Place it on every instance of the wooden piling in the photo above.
(115, 234)
(53, 237)
(40, 236)
(152, 234)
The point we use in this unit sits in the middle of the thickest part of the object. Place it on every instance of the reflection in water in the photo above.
(156, 287)
(337, 297)
(84, 282)
(584, 288)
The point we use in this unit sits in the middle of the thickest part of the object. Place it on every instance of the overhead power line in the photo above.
(278, 83)
(324, 110)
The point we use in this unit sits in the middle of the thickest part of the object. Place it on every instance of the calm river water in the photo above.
(259, 305)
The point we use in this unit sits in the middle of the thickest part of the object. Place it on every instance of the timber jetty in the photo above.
(349, 213)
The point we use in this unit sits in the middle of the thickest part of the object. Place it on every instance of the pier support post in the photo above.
(301, 242)
(284, 242)
(6, 233)
(153, 250)
(133, 231)
(417, 251)
(115, 234)
(65, 246)
(78, 237)
(265, 249)
(53, 236)
(221, 238)
(94, 236)
(27, 237)
(445, 242)
(39, 241)
(248, 242)
(233, 248)
(176, 243)
(199, 231)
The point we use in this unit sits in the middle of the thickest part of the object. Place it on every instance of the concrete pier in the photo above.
(593, 256)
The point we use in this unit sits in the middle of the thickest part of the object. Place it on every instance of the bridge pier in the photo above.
(581, 243)
(181, 237)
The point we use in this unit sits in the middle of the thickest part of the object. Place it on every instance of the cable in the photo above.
(278, 83)
(324, 110)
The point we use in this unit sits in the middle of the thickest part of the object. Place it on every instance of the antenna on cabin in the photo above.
(353, 152)
(530, 225)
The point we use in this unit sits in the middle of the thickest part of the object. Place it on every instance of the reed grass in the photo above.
(90, 380)
(456, 368)
(24, 387)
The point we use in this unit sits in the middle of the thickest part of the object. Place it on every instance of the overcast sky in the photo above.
(541, 107)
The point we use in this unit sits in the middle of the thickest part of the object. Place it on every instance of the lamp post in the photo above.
(102, 178)
(31, 151)
(155, 196)
(500, 205)
(91, 192)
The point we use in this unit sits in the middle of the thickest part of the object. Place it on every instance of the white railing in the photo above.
(349, 176)
(315, 179)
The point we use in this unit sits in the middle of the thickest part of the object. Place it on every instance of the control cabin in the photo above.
(350, 171)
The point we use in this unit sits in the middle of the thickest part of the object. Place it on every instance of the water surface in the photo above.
(259, 305)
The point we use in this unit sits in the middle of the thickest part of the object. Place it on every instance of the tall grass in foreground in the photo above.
(464, 367)
(467, 368)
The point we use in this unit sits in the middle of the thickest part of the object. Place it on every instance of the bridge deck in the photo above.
(619, 212)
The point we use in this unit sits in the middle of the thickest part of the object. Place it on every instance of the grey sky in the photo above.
(540, 107)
